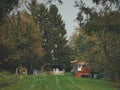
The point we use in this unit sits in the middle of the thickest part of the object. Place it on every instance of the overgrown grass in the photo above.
(54, 82)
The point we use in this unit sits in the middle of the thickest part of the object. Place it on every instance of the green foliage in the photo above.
(4, 53)
(23, 34)
(7, 79)
(117, 2)
(5, 7)
(28, 42)
(52, 29)
(50, 1)
(102, 29)
(22, 39)
(5, 75)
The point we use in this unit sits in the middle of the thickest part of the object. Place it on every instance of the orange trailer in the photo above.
(81, 69)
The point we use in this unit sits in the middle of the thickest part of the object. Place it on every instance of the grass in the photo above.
(54, 82)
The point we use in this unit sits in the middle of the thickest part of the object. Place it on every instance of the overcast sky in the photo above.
(69, 13)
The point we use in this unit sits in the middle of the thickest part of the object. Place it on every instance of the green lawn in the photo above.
(54, 82)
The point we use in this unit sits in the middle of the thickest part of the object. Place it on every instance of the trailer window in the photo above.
(79, 65)
(85, 65)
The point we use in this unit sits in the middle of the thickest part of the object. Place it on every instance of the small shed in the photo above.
(81, 68)
(58, 69)
(55, 69)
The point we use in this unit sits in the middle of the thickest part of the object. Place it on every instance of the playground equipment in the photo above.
(21, 70)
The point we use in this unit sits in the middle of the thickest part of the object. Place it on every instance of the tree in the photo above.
(104, 2)
(52, 29)
(104, 25)
(24, 38)
(76, 43)
(6, 7)
(29, 41)
(57, 34)
(50, 1)
(19, 36)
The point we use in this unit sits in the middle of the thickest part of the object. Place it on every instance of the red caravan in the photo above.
(81, 69)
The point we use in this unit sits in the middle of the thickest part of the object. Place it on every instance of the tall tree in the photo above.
(57, 34)
(29, 40)
(52, 29)
(40, 14)
(24, 38)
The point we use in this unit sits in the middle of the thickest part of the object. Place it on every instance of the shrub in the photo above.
(4, 75)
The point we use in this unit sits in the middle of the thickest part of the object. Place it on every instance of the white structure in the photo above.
(36, 72)
(56, 71)
(21, 70)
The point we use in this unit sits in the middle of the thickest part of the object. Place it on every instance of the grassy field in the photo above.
(53, 82)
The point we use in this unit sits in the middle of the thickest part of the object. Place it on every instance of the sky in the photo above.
(69, 13)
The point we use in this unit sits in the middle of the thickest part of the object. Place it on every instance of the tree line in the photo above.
(33, 37)
(96, 40)
(38, 36)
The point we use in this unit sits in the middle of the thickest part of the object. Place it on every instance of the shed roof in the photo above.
(79, 62)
